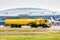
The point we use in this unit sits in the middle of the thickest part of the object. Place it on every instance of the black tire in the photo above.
(44, 26)
(12, 25)
(19, 26)
(33, 26)
(15, 25)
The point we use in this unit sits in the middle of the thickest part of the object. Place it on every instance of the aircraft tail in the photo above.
(52, 19)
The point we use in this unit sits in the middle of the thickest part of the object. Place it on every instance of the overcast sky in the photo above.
(47, 4)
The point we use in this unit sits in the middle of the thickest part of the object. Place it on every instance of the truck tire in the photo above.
(19, 26)
(44, 26)
(33, 26)
(12, 25)
(15, 25)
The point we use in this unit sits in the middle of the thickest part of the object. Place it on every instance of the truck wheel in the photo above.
(19, 26)
(12, 25)
(33, 25)
(44, 26)
(15, 25)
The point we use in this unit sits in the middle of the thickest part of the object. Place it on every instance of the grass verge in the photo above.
(54, 36)
(28, 34)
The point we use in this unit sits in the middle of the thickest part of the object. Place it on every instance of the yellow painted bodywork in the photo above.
(18, 21)
(27, 21)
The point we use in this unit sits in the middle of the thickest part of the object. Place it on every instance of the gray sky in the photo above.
(47, 4)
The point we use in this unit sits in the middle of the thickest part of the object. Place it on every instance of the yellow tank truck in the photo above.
(28, 22)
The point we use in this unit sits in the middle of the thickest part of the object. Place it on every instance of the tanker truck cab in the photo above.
(47, 23)
(43, 23)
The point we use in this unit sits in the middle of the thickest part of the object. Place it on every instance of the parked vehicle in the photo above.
(28, 22)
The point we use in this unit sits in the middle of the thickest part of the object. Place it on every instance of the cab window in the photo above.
(45, 20)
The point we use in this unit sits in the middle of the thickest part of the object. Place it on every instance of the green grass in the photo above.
(51, 36)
